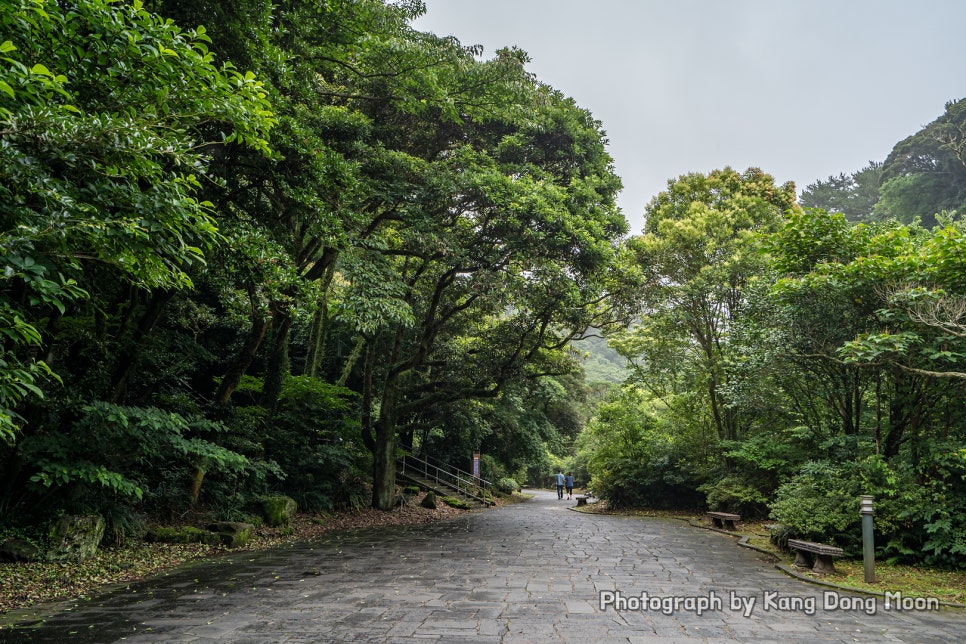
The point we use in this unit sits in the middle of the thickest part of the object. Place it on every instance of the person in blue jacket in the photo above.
(560, 484)
(569, 483)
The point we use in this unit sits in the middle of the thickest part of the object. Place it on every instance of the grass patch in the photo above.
(515, 497)
(911, 581)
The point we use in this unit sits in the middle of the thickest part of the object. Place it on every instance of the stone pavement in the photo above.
(532, 572)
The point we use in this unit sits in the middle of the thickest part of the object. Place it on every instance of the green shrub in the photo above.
(491, 468)
(113, 454)
(636, 458)
(920, 515)
(929, 523)
(779, 535)
(315, 432)
(733, 494)
(507, 485)
(816, 504)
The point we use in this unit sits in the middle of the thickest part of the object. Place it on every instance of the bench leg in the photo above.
(823, 565)
(802, 559)
(581, 502)
(729, 524)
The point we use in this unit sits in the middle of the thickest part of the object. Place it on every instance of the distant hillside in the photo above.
(601, 363)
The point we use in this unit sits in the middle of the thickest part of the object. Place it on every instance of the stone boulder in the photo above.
(278, 510)
(232, 533)
(181, 534)
(75, 538)
(16, 549)
(429, 501)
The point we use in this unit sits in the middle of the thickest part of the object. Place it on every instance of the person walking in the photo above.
(560, 484)
(569, 483)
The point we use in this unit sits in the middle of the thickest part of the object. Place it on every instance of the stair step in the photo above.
(440, 488)
(446, 483)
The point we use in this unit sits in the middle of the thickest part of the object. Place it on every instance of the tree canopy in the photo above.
(789, 369)
(254, 248)
(273, 244)
(923, 177)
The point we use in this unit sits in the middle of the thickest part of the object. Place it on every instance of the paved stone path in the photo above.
(533, 572)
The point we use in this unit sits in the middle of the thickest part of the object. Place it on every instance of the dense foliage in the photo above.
(269, 253)
(922, 177)
(265, 254)
(788, 361)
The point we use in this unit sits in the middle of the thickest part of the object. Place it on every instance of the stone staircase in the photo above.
(444, 481)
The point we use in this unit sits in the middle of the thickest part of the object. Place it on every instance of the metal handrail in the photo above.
(457, 479)
(450, 470)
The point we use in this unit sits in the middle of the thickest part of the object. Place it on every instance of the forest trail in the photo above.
(528, 572)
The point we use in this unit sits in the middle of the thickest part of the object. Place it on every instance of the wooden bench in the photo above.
(581, 499)
(816, 556)
(724, 520)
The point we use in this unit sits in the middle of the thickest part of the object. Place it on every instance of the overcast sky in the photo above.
(802, 89)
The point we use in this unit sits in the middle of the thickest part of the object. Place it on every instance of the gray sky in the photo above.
(802, 89)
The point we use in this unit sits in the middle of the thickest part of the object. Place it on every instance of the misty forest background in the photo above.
(268, 254)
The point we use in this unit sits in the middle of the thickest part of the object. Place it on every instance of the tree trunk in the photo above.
(366, 425)
(50, 333)
(196, 482)
(715, 409)
(320, 321)
(384, 462)
(384, 466)
(127, 358)
(316, 344)
(278, 363)
(901, 409)
(243, 359)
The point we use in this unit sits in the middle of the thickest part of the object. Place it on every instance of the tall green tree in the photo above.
(416, 191)
(924, 175)
(106, 111)
(111, 116)
(854, 195)
(511, 252)
(890, 374)
(698, 254)
(815, 319)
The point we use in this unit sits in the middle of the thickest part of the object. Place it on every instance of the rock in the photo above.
(16, 549)
(75, 538)
(429, 501)
(232, 533)
(181, 534)
(453, 502)
(278, 510)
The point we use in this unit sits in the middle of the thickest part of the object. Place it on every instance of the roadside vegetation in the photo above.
(26, 585)
(944, 584)
(264, 254)
(251, 249)
(789, 360)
